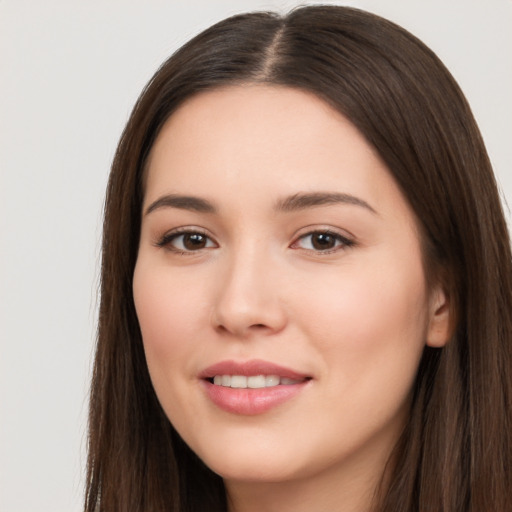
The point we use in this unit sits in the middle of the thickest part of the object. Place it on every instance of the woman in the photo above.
(306, 281)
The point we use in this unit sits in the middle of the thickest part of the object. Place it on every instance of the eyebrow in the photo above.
(192, 203)
(303, 201)
(295, 202)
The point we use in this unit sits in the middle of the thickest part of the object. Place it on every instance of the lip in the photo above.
(251, 402)
(252, 367)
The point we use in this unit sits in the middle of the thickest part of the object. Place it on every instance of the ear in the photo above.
(440, 321)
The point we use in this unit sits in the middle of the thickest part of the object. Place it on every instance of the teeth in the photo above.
(238, 381)
(272, 380)
(287, 382)
(252, 382)
(255, 382)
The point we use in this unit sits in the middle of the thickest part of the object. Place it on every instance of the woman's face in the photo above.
(277, 251)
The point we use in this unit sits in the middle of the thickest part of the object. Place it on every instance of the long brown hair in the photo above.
(455, 453)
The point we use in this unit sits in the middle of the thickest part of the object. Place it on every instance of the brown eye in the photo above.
(186, 241)
(194, 241)
(322, 241)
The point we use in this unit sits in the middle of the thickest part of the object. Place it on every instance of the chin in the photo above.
(252, 463)
(260, 471)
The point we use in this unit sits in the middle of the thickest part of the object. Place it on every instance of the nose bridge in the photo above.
(248, 292)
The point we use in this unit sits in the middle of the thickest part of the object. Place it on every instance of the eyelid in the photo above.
(346, 241)
(165, 241)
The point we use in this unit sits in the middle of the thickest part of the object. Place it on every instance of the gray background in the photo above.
(70, 72)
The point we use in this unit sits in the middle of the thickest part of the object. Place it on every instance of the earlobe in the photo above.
(439, 326)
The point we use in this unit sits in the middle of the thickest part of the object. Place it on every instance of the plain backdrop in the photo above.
(70, 72)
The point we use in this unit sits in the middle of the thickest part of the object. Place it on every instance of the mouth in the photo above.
(253, 381)
(252, 387)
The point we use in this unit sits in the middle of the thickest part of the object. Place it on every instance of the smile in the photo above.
(251, 387)
(253, 381)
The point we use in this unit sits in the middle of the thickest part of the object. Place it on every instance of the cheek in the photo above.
(369, 321)
(369, 328)
(169, 312)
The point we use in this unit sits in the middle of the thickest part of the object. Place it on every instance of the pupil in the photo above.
(323, 241)
(194, 241)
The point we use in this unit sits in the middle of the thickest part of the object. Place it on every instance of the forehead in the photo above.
(267, 133)
(260, 113)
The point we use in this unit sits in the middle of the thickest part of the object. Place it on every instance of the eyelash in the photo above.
(168, 238)
(341, 241)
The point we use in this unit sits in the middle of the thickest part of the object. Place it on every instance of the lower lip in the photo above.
(250, 402)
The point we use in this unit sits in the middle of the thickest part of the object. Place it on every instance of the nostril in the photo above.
(259, 327)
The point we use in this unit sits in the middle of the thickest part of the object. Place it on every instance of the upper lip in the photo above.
(248, 368)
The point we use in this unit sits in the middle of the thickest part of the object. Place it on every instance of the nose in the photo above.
(248, 299)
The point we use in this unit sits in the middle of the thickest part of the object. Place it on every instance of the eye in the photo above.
(186, 241)
(322, 241)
